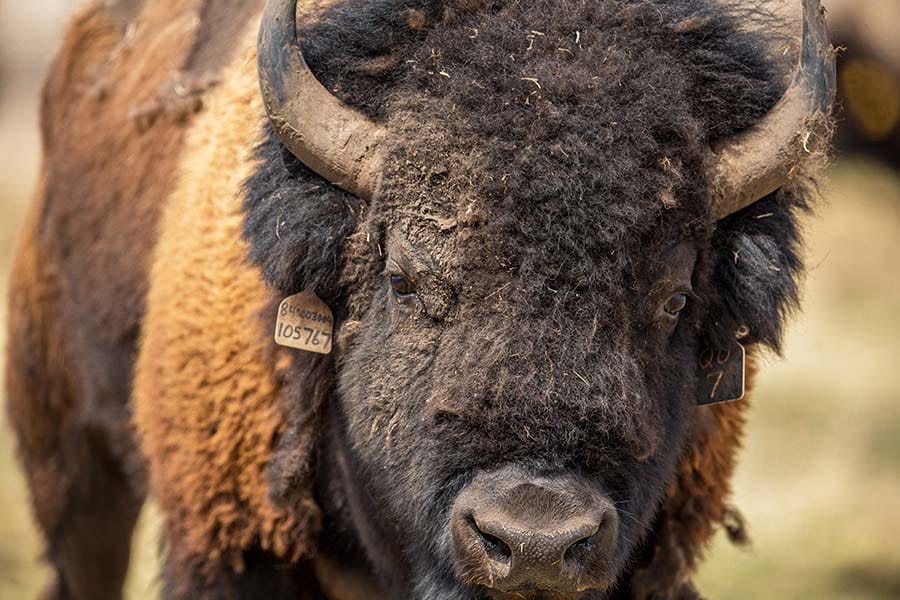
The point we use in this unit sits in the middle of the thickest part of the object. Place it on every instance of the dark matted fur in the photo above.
(545, 155)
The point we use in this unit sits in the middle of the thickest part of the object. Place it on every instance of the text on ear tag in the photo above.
(720, 375)
(304, 322)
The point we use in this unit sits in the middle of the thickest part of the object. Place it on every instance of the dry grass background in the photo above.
(819, 480)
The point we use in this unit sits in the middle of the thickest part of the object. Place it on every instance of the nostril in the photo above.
(496, 548)
(582, 547)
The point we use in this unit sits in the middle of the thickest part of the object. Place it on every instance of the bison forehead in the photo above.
(508, 66)
(566, 127)
(541, 139)
(570, 131)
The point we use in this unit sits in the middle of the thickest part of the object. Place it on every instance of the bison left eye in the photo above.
(675, 304)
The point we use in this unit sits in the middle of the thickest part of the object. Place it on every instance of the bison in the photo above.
(529, 244)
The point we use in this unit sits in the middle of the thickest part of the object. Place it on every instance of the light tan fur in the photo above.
(205, 390)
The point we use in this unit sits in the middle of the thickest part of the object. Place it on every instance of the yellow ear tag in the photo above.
(304, 322)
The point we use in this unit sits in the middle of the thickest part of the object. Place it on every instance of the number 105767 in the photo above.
(306, 336)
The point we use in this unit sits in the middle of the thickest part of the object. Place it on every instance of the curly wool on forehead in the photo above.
(576, 127)
(369, 51)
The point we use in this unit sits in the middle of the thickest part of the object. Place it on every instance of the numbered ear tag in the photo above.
(304, 322)
(720, 375)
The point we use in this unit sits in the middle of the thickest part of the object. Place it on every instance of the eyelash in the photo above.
(403, 290)
(681, 301)
(400, 285)
(668, 320)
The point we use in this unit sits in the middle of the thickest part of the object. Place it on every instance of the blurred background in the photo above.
(819, 479)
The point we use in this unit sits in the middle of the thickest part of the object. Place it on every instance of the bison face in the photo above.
(536, 233)
(516, 394)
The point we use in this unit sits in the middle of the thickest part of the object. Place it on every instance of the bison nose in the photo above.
(547, 534)
(532, 549)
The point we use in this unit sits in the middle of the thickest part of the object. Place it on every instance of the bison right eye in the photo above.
(401, 285)
(404, 291)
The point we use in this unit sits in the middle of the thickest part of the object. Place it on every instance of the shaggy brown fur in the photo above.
(79, 279)
(206, 391)
(241, 457)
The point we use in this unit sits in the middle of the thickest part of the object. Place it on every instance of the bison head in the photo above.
(542, 214)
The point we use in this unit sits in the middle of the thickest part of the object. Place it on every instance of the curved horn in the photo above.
(332, 139)
(755, 163)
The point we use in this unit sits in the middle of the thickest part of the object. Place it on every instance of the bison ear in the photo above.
(296, 223)
(757, 273)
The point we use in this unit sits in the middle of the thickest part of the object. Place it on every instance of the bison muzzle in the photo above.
(514, 533)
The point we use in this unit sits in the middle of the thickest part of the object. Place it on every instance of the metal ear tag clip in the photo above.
(721, 375)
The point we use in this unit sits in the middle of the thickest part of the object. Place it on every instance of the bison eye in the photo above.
(404, 291)
(401, 285)
(675, 304)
